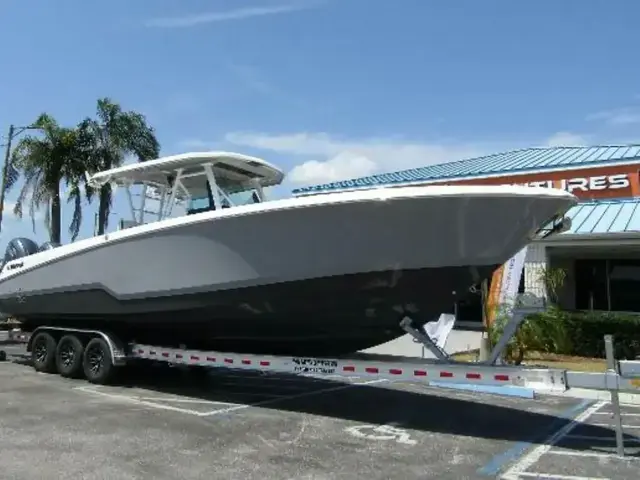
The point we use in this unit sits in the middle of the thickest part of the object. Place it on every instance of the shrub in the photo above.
(543, 332)
(582, 333)
(571, 333)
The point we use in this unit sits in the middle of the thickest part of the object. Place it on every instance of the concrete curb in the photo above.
(595, 395)
(509, 391)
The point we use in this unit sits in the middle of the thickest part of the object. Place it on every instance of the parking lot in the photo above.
(584, 448)
(158, 423)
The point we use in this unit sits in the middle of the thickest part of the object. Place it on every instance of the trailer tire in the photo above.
(97, 362)
(43, 353)
(69, 356)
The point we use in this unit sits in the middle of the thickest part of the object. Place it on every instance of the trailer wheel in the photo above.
(43, 353)
(69, 356)
(97, 362)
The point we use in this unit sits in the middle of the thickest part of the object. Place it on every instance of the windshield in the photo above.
(204, 203)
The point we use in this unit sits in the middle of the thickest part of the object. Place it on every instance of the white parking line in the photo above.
(228, 407)
(594, 438)
(520, 467)
(138, 401)
(608, 425)
(519, 470)
(624, 414)
(558, 477)
(580, 454)
(184, 400)
(553, 476)
(292, 397)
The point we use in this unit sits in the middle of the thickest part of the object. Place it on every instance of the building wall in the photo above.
(597, 183)
(534, 265)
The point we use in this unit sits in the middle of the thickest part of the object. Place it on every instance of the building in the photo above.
(600, 254)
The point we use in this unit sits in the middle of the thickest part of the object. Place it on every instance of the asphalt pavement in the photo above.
(158, 423)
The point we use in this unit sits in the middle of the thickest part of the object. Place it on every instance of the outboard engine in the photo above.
(20, 247)
(48, 246)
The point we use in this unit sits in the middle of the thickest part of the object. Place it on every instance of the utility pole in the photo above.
(13, 133)
(5, 170)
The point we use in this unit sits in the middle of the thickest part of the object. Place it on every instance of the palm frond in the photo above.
(45, 160)
(75, 196)
(112, 136)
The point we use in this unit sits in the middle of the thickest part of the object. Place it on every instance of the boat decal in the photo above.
(314, 365)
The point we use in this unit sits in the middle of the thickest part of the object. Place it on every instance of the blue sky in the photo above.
(329, 89)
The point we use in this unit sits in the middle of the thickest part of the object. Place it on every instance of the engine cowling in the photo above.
(20, 247)
(48, 246)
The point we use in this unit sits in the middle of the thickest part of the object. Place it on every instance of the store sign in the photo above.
(586, 184)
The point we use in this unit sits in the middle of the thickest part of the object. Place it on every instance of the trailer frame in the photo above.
(620, 377)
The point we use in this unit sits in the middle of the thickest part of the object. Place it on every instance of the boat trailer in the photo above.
(98, 355)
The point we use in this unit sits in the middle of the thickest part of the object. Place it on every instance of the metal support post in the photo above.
(615, 399)
(510, 329)
(485, 340)
(407, 325)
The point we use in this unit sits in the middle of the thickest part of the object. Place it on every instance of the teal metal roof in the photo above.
(529, 160)
(605, 216)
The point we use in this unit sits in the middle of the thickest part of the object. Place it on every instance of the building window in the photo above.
(624, 285)
(591, 285)
(611, 285)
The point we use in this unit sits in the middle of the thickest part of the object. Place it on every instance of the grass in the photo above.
(548, 360)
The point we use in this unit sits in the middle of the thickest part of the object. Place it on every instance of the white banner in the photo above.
(511, 277)
(504, 285)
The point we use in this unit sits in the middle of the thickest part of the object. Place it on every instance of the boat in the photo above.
(207, 261)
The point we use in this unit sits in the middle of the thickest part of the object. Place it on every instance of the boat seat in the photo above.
(193, 211)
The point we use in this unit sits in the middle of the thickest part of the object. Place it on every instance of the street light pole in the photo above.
(5, 170)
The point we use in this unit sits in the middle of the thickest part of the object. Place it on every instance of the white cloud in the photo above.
(617, 117)
(339, 159)
(566, 139)
(325, 158)
(229, 15)
(344, 165)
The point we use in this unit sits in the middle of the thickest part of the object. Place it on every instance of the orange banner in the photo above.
(493, 299)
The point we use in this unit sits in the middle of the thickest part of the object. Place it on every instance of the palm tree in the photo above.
(110, 138)
(45, 161)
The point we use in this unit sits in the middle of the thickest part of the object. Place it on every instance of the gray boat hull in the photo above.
(283, 277)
